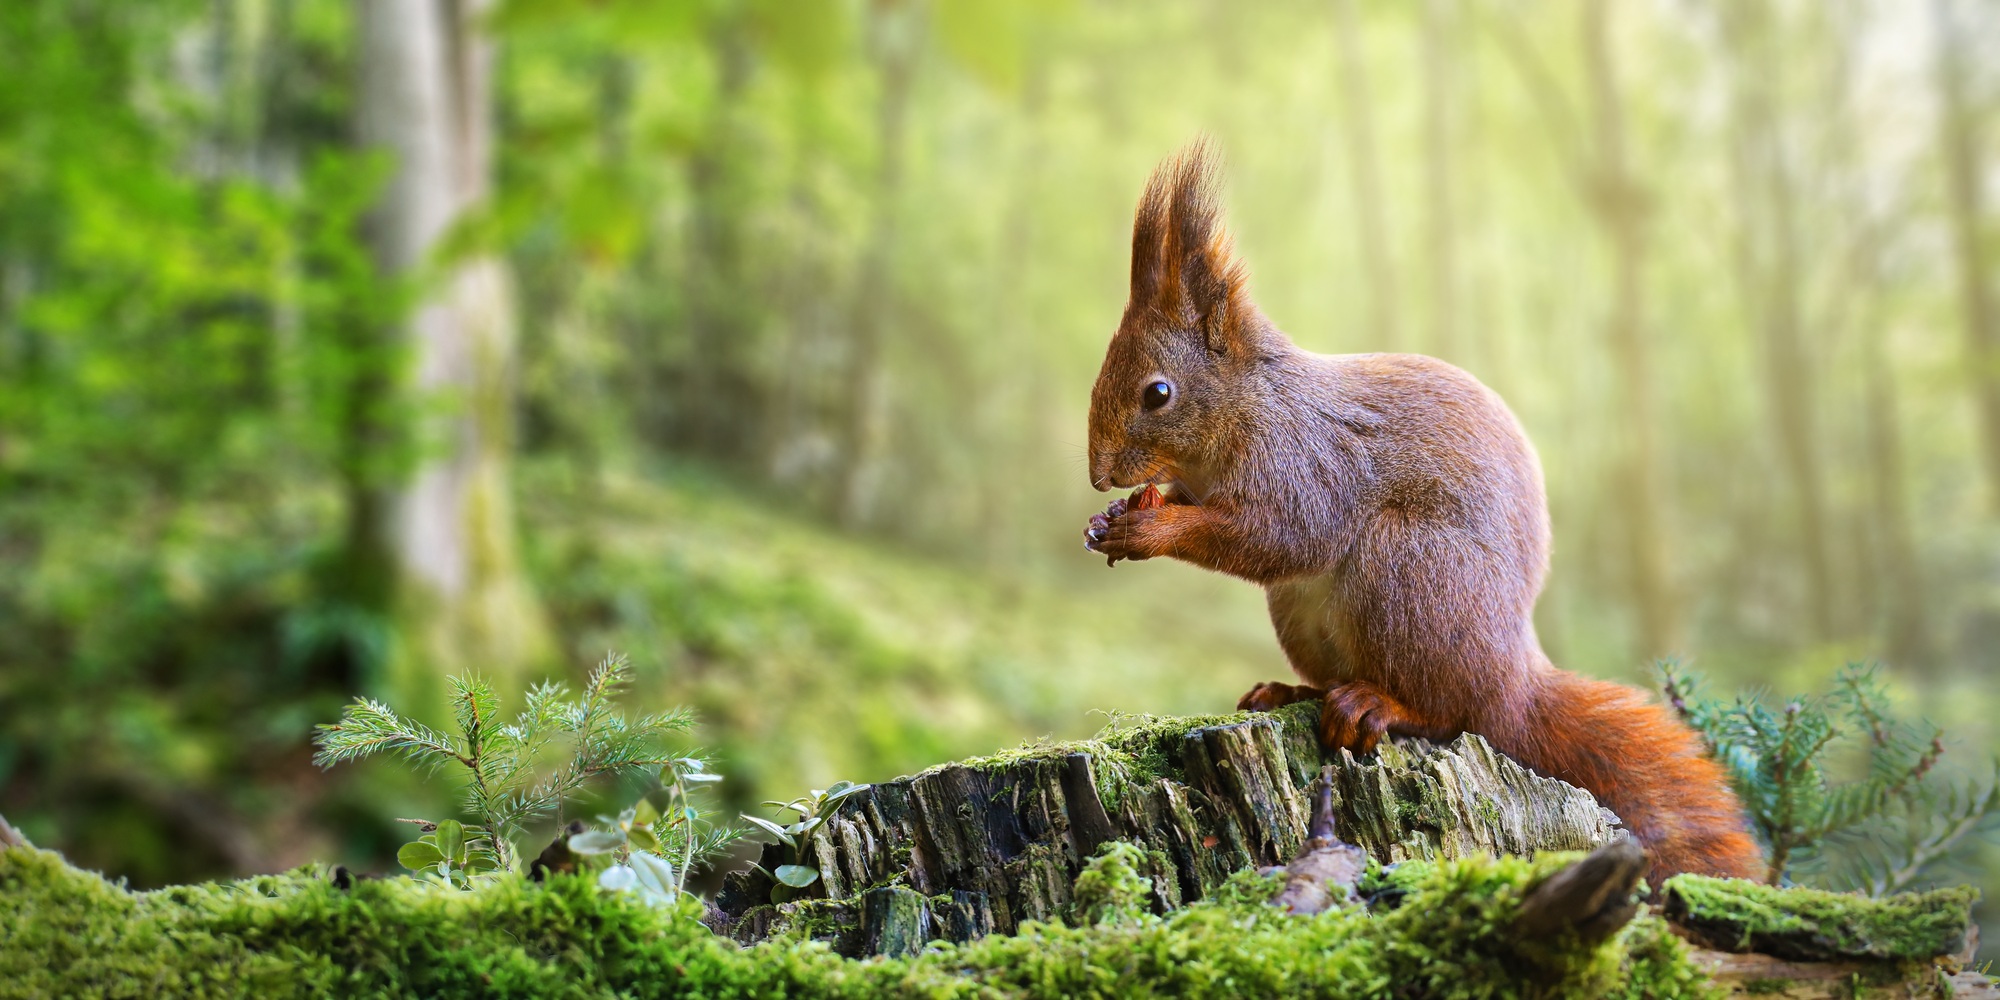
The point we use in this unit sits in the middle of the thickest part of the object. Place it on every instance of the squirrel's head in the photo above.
(1175, 378)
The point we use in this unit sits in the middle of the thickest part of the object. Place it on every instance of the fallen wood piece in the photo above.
(1592, 897)
(1327, 868)
(1810, 925)
(10, 837)
(1752, 974)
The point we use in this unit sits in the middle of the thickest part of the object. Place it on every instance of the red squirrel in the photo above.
(1392, 509)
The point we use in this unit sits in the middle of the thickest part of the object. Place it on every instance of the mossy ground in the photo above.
(64, 932)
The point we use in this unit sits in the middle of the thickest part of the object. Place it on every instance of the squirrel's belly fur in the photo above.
(1393, 510)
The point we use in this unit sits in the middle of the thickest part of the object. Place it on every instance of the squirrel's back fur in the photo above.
(1393, 510)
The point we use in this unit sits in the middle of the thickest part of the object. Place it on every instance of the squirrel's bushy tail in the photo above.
(1644, 765)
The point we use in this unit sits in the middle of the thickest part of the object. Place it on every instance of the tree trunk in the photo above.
(1371, 231)
(1006, 836)
(1620, 204)
(1441, 91)
(864, 432)
(1016, 419)
(1960, 141)
(448, 531)
(716, 397)
(980, 846)
(1893, 579)
(1901, 582)
(1769, 271)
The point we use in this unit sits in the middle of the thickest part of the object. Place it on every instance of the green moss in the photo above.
(1811, 923)
(1137, 750)
(64, 932)
(1386, 886)
(1248, 887)
(1657, 966)
(1144, 750)
(1110, 889)
(808, 919)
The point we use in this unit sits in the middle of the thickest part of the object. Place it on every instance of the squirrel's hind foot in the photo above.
(1352, 716)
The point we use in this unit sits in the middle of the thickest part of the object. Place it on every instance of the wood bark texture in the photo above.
(1758, 975)
(986, 844)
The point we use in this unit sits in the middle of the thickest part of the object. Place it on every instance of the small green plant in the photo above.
(814, 809)
(655, 849)
(1837, 786)
(516, 772)
(443, 852)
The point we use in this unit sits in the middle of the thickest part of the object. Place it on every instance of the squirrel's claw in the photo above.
(1269, 696)
(1356, 715)
(1099, 529)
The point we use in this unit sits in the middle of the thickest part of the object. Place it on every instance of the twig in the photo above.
(1326, 869)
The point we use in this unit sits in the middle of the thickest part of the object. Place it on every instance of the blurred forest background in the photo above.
(345, 344)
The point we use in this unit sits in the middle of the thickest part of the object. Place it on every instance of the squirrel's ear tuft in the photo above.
(1183, 270)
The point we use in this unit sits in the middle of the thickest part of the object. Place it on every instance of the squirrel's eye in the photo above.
(1156, 395)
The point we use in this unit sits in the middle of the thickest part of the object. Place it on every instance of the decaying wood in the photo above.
(1592, 897)
(1327, 867)
(980, 846)
(1752, 974)
(1828, 935)
(995, 842)
(10, 837)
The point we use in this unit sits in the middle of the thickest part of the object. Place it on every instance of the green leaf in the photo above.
(643, 839)
(418, 855)
(597, 841)
(644, 813)
(451, 839)
(839, 793)
(797, 876)
(655, 873)
(783, 835)
(618, 878)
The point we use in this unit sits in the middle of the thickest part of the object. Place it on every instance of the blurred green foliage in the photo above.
(1838, 788)
(810, 295)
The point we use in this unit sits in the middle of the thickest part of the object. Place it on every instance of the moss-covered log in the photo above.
(1005, 836)
(1808, 925)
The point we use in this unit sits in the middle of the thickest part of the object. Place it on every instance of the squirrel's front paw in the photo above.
(1100, 524)
(1114, 532)
(1118, 537)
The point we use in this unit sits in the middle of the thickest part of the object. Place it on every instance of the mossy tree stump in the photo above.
(984, 844)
